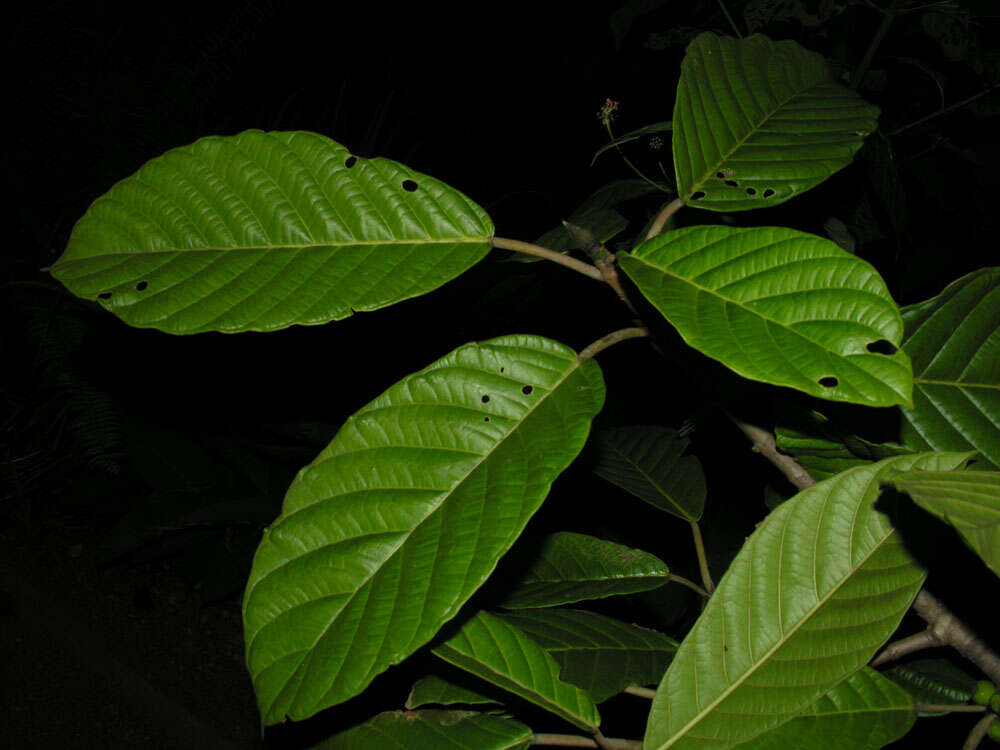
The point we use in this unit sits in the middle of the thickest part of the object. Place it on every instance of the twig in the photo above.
(690, 584)
(633, 167)
(640, 691)
(576, 740)
(543, 252)
(940, 708)
(603, 260)
(887, 17)
(725, 12)
(978, 732)
(905, 646)
(612, 338)
(764, 444)
(943, 111)
(661, 218)
(699, 546)
(948, 630)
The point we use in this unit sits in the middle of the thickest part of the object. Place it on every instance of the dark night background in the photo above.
(137, 469)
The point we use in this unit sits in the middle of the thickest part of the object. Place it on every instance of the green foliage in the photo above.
(385, 537)
(933, 682)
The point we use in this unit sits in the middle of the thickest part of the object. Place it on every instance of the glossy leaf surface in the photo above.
(758, 122)
(968, 500)
(435, 689)
(595, 652)
(864, 712)
(954, 343)
(504, 655)
(779, 306)
(260, 231)
(816, 589)
(574, 567)
(405, 514)
(650, 463)
(432, 730)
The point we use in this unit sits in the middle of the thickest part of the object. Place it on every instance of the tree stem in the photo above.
(661, 218)
(690, 584)
(699, 546)
(612, 338)
(764, 444)
(937, 708)
(725, 12)
(543, 252)
(905, 646)
(948, 630)
(642, 692)
(576, 740)
(978, 732)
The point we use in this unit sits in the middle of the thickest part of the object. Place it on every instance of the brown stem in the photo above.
(690, 584)
(642, 692)
(948, 630)
(543, 252)
(905, 646)
(576, 740)
(661, 218)
(699, 546)
(764, 444)
(940, 708)
(979, 732)
(612, 338)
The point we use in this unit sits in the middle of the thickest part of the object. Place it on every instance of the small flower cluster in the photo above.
(606, 114)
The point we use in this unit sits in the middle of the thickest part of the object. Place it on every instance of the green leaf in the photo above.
(632, 135)
(260, 231)
(505, 656)
(864, 712)
(968, 500)
(406, 513)
(933, 681)
(597, 653)
(603, 223)
(432, 730)
(758, 122)
(817, 588)
(575, 567)
(779, 306)
(954, 342)
(649, 463)
(438, 690)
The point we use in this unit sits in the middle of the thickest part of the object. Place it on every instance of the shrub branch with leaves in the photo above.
(386, 535)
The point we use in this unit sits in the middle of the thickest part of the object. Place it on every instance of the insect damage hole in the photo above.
(751, 191)
(485, 399)
(350, 161)
(882, 347)
(104, 295)
(768, 193)
(732, 183)
(527, 390)
(698, 196)
(829, 382)
(409, 186)
(141, 286)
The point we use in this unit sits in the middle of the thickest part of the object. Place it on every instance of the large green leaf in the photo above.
(968, 500)
(434, 689)
(779, 306)
(405, 514)
(574, 567)
(649, 463)
(818, 587)
(954, 342)
(261, 231)
(597, 653)
(758, 122)
(933, 681)
(505, 656)
(864, 712)
(432, 730)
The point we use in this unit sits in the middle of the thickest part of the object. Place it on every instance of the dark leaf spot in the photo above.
(751, 191)
(486, 419)
(501, 369)
(485, 399)
(409, 186)
(104, 295)
(141, 286)
(721, 175)
(351, 161)
(829, 382)
(526, 390)
(881, 347)
(698, 196)
(768, 193)
(732, 183)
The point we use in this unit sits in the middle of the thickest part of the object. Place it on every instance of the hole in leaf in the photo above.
(751, 191)
(409, 186)
(501, 369)
(768, 193)
(731, 183)
(104, 295)
(829, 382)
(485, 399)
(698, 196)
(141, 286)
(486, 419)
(351, 161)
(881, 347)
(721, 175)
(526, 390)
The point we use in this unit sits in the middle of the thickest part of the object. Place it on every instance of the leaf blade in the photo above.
(351, 578)
(432, 730)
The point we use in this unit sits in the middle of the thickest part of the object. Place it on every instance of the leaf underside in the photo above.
(779, 306)
(758, 122)
(432, 730)
(406, 513)
(815, 591)
(954, 343)
(260, 231)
